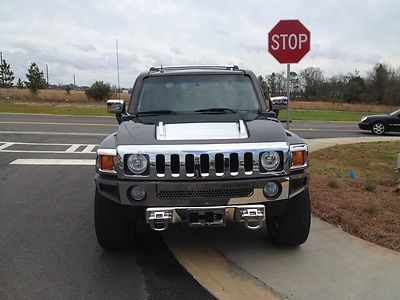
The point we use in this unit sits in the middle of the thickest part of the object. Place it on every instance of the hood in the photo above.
(170, 130)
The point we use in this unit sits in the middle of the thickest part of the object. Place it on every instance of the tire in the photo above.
(378, 128)
(292, 228)
(113, 231)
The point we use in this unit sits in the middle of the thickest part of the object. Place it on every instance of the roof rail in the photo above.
(161, 69)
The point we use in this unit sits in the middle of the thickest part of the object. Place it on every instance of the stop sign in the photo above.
(289, 41)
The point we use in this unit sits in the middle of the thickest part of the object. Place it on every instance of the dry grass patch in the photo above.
(359, 107)
(368, 206)
(57, 96)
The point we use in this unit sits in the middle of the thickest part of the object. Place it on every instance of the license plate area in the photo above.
(206, 217)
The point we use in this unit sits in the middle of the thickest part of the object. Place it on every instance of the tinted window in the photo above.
(193, 92)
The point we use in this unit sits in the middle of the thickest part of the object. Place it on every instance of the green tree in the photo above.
(99, 91)
(6, 75)
(20, 84)
(36, 80)
(263, 86)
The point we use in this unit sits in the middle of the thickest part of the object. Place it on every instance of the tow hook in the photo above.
(159, 219)
(253, 217)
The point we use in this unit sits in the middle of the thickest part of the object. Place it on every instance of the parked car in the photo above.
(198, 144)
(379, 124)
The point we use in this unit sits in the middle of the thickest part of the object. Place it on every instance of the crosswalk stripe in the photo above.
(54, 162)
(73, 148)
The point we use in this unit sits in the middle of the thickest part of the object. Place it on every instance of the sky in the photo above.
(79, 37)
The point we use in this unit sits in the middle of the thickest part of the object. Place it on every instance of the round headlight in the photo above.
(137, 163)
(270, 160)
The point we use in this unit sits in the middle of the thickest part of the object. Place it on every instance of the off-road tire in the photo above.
(113, 231)
(291, 228)
(378, 128)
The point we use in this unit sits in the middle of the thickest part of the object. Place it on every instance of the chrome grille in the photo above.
(204, 161)
(204, 165)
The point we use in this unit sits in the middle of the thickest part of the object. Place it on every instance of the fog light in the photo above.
(137, 193)
(271, 189)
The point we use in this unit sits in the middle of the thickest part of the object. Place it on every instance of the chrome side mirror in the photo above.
(278, 103)
(116, 106)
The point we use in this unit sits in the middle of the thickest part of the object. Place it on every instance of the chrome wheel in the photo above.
(378, 128)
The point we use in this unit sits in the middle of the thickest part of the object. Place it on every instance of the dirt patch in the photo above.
(367, 206)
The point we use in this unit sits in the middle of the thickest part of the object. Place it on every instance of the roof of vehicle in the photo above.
(193, 70)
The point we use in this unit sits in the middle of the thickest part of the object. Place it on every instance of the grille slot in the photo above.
(204, 164)
(219, 164)
(175, 165)
(160, 165)
(213, 193)
(248, 163)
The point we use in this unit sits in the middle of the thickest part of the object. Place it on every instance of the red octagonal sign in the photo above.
(289, 41)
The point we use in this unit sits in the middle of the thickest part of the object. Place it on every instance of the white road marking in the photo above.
(6, 145)
(88, 149)
(73, 148)
(70, 148)
(54, 162)
(53, 133)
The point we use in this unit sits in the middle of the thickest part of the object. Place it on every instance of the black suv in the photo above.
(198, 144)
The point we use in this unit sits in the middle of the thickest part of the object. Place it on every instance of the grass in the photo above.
(372, 162)
(367, 206)
(51, 108)
(324, 115)
(77, 103)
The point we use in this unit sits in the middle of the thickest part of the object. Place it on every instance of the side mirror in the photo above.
(278, 103)
(116, 106)
(269, 114)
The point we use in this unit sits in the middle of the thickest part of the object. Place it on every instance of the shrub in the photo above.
(99, 91)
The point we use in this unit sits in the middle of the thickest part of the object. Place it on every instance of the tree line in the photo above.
(381, 85)
(36, 81)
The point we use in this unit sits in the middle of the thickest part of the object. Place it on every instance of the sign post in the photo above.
(289, 41)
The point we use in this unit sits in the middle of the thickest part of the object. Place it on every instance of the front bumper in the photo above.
(200, 193)
(364, 126)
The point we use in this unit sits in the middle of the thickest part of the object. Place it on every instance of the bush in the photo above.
(99, 91)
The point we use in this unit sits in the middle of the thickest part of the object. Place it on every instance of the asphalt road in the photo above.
(48, 246)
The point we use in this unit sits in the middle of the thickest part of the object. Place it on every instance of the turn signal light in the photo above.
(106, 162)
(299, 158)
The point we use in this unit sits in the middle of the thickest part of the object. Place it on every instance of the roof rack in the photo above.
(161, 69)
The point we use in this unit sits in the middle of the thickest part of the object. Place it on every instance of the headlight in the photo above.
(299, 155)
(270, 160)
(363, 119)
(137, 163)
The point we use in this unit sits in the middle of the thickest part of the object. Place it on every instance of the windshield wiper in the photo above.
(216, 110)
(155, 113)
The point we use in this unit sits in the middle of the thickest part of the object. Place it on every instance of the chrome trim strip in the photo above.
(201, 148)
(102, 151)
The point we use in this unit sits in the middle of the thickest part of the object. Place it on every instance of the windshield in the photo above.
(395, 113)
(189, 93)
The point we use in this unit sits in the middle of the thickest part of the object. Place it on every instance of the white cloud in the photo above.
(78, 37)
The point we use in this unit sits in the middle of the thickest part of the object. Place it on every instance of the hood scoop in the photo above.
(201, 131)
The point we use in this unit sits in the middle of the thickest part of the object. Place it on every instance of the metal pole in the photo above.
(74, 81)
(288, 97)
(47, 74)
(116, 45)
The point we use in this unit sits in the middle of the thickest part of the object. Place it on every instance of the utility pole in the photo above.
(116, 46)
(1, 57)
(47, 74)
(74, 81)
